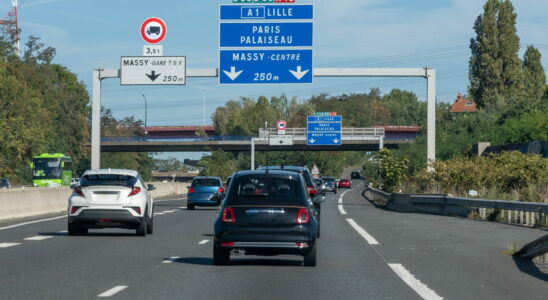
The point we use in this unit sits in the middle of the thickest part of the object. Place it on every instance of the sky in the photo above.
(347, 33)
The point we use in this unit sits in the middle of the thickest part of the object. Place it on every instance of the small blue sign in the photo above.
(242, 35)
(323, 127)
(323, 139)
(266, 12)
(265, 66)
(324, 119)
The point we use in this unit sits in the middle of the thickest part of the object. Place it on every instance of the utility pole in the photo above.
(146, 114)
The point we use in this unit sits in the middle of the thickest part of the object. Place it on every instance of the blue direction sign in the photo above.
(247, 35)
(265, 66)
(266, 12)
(324, 130)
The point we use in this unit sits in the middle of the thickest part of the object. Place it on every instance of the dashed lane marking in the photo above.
(112, 291)
(32, 222)
(340, 200)
(203, 242)
(159, 214)
(165, 200)
(420, 288)
(182, 207)
(341, 209)
(6, 245)
(369, 238)
(38, 237)
(170, 260)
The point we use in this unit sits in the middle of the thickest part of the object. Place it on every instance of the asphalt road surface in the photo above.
(363, 253)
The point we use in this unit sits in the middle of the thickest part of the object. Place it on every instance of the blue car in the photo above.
(205, 191)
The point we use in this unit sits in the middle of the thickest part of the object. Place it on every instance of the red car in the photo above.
(345, 183)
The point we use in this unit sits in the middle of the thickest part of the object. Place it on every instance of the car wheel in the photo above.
(309, 259)
(190, 206)
(221, 256)
(142, 229)
(73, 229)
(318, 235)
(150, 226)
(83, 230)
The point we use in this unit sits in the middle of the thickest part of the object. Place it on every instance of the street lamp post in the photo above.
(146, 114)
(203, 94)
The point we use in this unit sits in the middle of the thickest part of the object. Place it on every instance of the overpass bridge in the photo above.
(353, 139)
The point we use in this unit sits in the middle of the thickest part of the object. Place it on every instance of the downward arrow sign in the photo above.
(153, 75)
(233, 74)
(336, 141)
(312, 141)
(299, 74)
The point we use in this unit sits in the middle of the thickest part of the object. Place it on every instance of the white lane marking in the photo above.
(63, 231)
(159, 214)
(422, 289)
(340, 200)
(169, 211)
(203, 242)
(170, 260)
(38, 238)
(341, 209)
(32, 222)
(370, 239)
(112, 291)
(182, 207)
(165, 200)
(6, 245)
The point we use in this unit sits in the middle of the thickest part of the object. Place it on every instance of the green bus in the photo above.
(51, 169)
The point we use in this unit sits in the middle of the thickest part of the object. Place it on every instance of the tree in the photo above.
(494, 67)
(391, 170)
(535, 78)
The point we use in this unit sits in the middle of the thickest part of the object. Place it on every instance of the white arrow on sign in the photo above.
(312, 141)
(336, 141)
(233, 74)
(299, 74)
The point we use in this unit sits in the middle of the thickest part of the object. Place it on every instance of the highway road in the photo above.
(364, 253)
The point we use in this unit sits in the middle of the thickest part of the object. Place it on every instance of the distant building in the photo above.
(463, 105)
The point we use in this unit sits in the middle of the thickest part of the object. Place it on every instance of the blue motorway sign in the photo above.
(246, 35)
(324, 130)
(265, 66)
(266, 12)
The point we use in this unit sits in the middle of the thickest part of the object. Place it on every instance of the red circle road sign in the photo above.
(281, 125)
(153, 30)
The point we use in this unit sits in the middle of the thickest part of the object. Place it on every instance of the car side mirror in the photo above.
(151, 187)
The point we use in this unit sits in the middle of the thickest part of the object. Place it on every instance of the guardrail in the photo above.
(525, 213)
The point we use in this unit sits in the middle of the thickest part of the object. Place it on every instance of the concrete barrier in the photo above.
(19, 203)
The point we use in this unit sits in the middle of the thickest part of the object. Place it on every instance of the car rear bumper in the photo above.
(204, 202)
(106, 218)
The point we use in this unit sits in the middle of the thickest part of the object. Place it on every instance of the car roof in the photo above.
(112, 171)
(206, 177)
(300, 168)
(265, 172)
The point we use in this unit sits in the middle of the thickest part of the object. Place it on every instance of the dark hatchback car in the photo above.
(266, 213)
(330, 184)
(205, 191)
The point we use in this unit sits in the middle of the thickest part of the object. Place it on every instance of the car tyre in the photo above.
(309, 259)
(142, 229)
(221, 256)
(83, 230)
(150, 225)
(73, 229)
(190, 206)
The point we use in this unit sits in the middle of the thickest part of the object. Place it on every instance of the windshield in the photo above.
(267, 190)
(46, 168)
(108, 179)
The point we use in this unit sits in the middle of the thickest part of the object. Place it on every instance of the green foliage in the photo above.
(391, 170)
(503, 172)
(169, 164)
(525, 128)
(219, 163)
(535, 78)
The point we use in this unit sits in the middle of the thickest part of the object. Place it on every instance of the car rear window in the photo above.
(206, 182)
(108, 179)
(266, 190)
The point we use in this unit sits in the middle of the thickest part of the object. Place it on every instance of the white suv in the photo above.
(111, 198)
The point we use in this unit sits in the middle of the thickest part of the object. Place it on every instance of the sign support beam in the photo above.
(427, 73)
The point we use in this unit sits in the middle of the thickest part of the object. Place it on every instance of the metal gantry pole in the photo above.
(252, 153)
(96, 120)
(431, 118)
(146, 113)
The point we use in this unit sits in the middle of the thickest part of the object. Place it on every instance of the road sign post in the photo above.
(324, 131)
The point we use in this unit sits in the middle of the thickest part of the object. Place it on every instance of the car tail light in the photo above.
(134, 191)
(78, 190)
(228, 215)
(191, 190)
(220, 190)
(312, 191)
(227, 244)
(137, 209)
(74, 209)
(302, 216)
(301, 245)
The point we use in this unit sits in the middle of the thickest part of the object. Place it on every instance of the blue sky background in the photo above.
(348, 33)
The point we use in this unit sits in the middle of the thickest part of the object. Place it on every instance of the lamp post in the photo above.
(146, 114)
(203, 94)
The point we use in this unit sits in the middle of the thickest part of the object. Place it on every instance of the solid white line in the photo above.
(370, 239)
(112, 291)
(170, 260)
(6, 245)
(203, 242)
(341, 209)
(32, 222)
(423, 290)
(38, 238)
